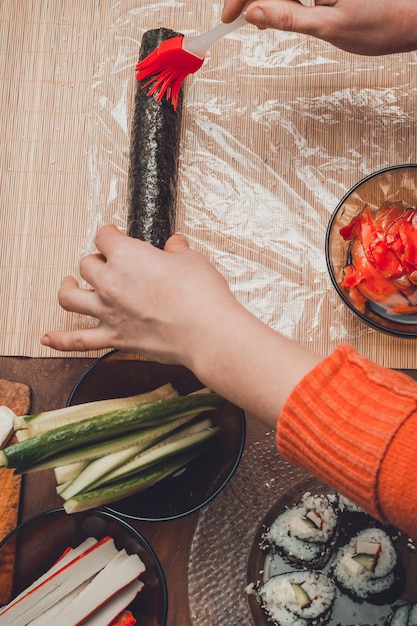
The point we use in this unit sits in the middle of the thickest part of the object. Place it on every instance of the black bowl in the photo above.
(119, 374)
(37, 543)
(390, 184)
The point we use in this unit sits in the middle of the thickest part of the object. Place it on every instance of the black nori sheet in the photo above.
(154, 155)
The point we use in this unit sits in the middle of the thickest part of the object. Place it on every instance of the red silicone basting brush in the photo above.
(167, 67)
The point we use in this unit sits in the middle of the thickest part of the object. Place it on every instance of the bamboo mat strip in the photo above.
(276, 128)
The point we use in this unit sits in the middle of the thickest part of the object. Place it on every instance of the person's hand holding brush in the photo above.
(367, 27)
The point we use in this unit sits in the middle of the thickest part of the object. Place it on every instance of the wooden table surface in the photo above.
(51, 380)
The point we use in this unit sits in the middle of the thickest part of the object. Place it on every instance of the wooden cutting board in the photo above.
(17, 396)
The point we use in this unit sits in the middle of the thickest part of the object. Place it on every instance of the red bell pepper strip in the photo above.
(382, 266)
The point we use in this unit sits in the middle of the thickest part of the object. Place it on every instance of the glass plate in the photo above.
(224, 534)
(119, 374)
(346, 611)
(37, 543)
(223, 552)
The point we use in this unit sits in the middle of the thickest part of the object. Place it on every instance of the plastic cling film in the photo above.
(276, 128)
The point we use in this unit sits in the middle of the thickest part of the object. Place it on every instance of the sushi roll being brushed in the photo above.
(369, 568)
(298, 599)
(304, 534)
(405, 615)
(154, 157)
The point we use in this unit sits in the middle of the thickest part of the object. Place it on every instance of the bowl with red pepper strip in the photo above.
(371, 250)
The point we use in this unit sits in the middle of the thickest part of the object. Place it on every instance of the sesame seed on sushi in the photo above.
(369, 567)
(298, 598)
(304, 535)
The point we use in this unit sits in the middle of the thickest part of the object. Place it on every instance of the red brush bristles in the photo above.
(166, 68)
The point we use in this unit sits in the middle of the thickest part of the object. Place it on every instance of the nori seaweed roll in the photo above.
(304, 535)
(369, 567)
(154, 157)
(298, 598)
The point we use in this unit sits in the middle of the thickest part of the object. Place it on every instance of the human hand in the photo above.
(370, 27)
(173, 306)
(145, 300)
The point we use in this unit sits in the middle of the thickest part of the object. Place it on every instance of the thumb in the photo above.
(176, 243)
(287, 15)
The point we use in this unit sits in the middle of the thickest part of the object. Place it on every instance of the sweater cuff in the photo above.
(349, 423)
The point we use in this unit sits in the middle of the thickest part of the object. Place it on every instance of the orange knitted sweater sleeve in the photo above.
(353, 424)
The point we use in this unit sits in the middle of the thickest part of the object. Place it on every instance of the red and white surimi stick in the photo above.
(56, 609)
(111, 609)
(117, 575)
(50, 590)
(69, 555)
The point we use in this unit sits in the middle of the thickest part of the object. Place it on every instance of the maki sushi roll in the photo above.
(298, 598)
(369, 568)
(305, 534)
(405, 615)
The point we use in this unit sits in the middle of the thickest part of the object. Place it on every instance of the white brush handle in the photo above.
(198, 46)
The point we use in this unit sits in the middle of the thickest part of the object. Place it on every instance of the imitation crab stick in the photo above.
(62, 581)
(91, 584)
(69, 555)
(118, 603)
(115, 577)
(125, 619)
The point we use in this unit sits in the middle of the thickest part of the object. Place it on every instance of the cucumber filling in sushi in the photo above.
(298, 598)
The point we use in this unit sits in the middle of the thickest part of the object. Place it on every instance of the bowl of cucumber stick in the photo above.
(179, 446)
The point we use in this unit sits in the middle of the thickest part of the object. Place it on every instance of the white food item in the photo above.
(367, 547)
(6, 425)
(351, 565)
(42, 596)
(90, 584)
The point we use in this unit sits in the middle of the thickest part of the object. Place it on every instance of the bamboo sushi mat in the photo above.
(276, 128)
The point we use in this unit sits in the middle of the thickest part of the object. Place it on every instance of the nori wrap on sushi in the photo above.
(154, 155)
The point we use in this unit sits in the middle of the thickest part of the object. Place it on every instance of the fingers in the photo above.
(288, 15)
(77, 340)
(91, 267)
(108, 273)
(72, 298)
(232, 9)
(107, 238)
(176, 243)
